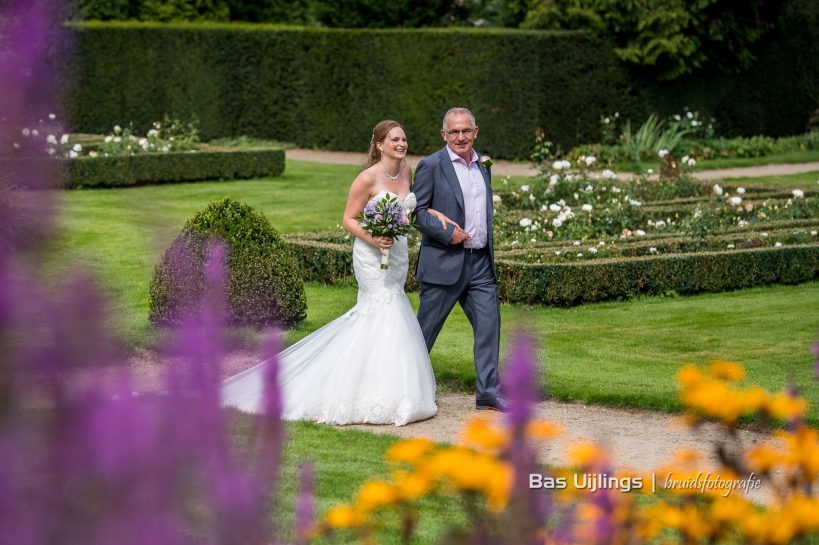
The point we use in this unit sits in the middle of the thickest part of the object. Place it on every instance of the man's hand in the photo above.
(458, 236)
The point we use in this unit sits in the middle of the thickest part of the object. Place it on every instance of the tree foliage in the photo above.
(673, 37)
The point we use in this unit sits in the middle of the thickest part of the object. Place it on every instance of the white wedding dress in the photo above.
(370, 365)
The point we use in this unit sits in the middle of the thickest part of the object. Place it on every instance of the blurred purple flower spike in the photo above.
(528, 507)
(815, 349)
(520, 380)
(305, 504)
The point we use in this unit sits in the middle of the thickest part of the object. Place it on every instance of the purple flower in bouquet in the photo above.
(385, 218)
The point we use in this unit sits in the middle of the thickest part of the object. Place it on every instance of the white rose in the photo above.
(557, 222)
(26, 132)
(608, 174)
(496, 198)
(741, 190)
(731, 246)
(531, 197)
(587, 207)
(77, 148)
(798, 193)
(590, 160)
(553, 179)
(554, 207)
(592, 250)
(524, 188)
(691, 162)
(52, 116)
(735, 201)
(662, 153)
(640, 233)
(717, 189)
(557, 165)
(64, 139)
(525, 222)
(51, 139)
(777, 244)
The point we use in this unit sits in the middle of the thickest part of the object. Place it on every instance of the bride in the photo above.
(371, 364)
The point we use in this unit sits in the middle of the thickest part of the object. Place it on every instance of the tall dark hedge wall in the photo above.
(327, 88)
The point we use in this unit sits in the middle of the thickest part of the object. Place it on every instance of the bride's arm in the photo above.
(440, 216)
(356, 199)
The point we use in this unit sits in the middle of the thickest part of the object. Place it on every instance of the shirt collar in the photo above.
(454, 156)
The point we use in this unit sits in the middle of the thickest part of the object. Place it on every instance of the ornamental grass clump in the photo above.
(264, 285)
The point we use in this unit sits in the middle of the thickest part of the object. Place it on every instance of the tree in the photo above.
(673, 37)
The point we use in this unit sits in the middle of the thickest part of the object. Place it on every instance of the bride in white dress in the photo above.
(371, 364)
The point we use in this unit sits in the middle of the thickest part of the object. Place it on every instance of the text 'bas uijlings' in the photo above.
(587, 481)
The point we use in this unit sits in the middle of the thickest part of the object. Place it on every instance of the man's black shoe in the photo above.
(498, 404)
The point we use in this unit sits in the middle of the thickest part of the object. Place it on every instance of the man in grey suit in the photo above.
(456, 263)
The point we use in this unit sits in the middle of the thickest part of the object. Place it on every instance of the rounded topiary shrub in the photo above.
(264, 285)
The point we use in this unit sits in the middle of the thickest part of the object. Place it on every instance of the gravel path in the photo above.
(510, 168)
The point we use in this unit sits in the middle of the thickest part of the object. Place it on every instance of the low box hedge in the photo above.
(566, 284)
(600, 279)
(159, 168)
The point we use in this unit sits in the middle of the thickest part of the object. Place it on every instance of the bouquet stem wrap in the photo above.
(385, 257)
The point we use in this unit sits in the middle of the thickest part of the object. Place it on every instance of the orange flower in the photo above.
(543, 429)
(482, 434)
(343, 516)
(689, 375)
(410, 450)
(375, 494)
(411, 486)
(585, 453)
(726, 370)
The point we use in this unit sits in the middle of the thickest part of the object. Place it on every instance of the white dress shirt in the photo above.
(473, 188)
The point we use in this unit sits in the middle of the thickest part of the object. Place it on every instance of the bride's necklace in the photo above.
(390, 176)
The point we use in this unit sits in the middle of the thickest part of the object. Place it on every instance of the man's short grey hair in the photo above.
(458, 111)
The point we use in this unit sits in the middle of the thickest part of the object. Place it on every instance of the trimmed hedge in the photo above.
(685, 274)
(594, 280)
(326, 88)
(159, 168)
(263, 284)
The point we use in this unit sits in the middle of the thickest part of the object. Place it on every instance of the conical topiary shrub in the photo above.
(264, 285)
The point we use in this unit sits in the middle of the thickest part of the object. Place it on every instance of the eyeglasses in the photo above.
(465, 132)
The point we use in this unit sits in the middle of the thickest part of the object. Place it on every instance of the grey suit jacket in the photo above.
(436, 186)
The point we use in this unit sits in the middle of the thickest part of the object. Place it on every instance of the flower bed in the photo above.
(575, 236)
(169, 152)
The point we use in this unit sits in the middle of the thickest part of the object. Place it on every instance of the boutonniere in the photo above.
(486, 161)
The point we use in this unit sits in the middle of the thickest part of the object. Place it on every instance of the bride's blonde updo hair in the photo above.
(380, 132)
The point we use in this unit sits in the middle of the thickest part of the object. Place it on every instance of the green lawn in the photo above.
(803, 180)
(343, 459)
(621, 353)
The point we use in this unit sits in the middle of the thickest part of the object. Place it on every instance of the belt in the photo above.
(475, 250)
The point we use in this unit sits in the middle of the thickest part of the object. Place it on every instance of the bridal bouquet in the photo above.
(385, 218)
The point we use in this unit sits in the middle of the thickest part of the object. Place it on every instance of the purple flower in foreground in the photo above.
(305, 503)
(815, 349)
